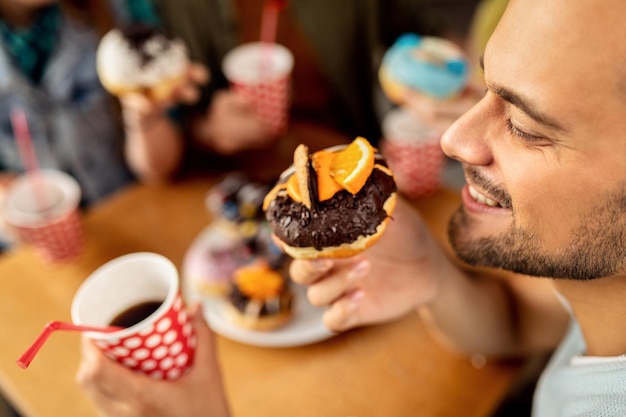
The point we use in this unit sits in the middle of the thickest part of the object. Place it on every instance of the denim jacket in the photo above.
(73, 121)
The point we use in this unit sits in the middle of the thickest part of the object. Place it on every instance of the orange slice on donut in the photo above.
(293, 189)
(327, 187)
(352, 166)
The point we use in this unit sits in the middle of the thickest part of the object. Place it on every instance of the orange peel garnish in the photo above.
(384, 169)
(346, 169)
(258, 281)
(353, 165)
(327, 187)
(293, 188)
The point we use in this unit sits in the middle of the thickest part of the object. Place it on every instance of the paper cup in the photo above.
(261, 72)
(413, 152)
(161, 345)
(41, 209)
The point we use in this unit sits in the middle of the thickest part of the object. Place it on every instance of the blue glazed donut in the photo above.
(431, 65)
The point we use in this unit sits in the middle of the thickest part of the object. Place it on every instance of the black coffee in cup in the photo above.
(135, 313)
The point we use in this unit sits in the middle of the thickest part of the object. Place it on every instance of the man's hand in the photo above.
(386, 282)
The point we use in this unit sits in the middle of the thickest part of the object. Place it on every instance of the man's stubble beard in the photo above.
(596, 249)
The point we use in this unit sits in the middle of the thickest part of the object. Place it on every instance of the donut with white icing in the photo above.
(141, 59)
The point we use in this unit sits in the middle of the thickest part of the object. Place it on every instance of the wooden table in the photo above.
(394, 369)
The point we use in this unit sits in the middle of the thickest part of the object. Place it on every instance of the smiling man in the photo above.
(544, 150)
(544, 155)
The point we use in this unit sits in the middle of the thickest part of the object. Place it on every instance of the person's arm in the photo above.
(154, 143)
(154, 146)
(494, 315)
(406, 269)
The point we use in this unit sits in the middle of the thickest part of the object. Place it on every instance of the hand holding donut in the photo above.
(140, 109)
(148, 70)
(231, 125)
(385, 282)
(327, 211)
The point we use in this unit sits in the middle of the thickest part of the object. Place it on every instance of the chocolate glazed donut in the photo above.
(341, 226)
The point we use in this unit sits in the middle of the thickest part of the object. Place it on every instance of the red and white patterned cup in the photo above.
(161, 345)
(261, 73)
(42, 209)
(413, 152)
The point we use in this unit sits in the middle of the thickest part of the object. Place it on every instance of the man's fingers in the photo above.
(343, 314)
(97, 369)
(205, 349)
(345, 278)
(306, 272)
(99, 376)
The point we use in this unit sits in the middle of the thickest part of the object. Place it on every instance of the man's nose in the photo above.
(467, 139)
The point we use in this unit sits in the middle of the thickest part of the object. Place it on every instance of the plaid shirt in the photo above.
(142, 11)
(31, 47)
(49, 70)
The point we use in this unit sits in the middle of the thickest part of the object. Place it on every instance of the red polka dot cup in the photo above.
(161, 342)
(261, 73)
(41, 209)
(413, 151)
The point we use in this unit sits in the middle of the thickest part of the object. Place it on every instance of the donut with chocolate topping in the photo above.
(260, 298)
(141, 59)
(352, 195)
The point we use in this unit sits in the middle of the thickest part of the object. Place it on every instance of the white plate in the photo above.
(305, 327)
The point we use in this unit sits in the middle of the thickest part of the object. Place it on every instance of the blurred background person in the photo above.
(48, 69)
(334, 77)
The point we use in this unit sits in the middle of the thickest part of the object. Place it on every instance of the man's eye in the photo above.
(515, 131)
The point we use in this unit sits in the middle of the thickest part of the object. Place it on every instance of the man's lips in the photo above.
(483, 199)
(475, 201)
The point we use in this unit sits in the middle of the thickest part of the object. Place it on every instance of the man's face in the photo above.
(544, 152)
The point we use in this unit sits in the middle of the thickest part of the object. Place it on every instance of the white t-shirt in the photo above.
(577, 385)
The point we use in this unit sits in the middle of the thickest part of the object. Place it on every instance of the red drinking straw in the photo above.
(26, 358)
(19, 123)
(269, 24)
(269, 19)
